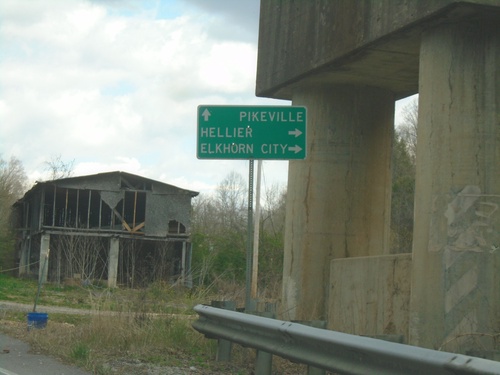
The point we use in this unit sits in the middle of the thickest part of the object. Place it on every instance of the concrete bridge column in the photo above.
(338, 199)
(455, 302)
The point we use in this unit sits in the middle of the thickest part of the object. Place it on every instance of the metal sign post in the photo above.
(251, 132)
(248, 277)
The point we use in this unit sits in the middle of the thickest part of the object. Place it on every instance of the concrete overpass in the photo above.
(348, 62)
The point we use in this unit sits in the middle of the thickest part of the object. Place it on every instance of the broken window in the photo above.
(175, 227)
(94, 209)
(130, 212)
(85, 209)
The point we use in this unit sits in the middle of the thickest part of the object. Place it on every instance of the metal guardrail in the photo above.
(333, 351)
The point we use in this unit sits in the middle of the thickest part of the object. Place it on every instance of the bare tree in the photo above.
(58, 168)
(273, 213)
(403, 180)
(219, 233)
(204, 214)
(80, 255)
(231, 202)
(271, 241)
(407, 129)
(13, 182)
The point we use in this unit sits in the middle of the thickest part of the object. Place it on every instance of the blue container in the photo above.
(37, 320)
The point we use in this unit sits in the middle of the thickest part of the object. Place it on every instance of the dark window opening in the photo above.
(60, 208)
(83, 209)
(106, 215)
(75, 208)
(132, 211)
(175, 227)
(143, 262)
(94, 209)
(71, 207)
(48, 209)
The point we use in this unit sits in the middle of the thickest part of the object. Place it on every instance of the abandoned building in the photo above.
(116, 227)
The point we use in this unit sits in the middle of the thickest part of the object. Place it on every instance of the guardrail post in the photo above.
(263, 363)
(316, 324)
(224, 347)
(264, 360)
(266, 309)
(315, 371)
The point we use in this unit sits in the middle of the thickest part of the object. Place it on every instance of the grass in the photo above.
(24, 291)
(157, 298)
(124, 329)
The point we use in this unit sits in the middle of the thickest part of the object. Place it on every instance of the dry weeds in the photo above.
(137, 334)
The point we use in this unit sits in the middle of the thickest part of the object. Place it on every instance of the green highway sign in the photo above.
(251, 132)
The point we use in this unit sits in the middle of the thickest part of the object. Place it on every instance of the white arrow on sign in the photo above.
(295, 132)
(206, 114)
(295, 148)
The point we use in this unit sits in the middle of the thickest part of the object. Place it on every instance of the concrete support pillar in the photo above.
(24, 256)
(189, 273)
(183, 264)
(338, 199)
(455, 302)
(43, 269)
(114, 252)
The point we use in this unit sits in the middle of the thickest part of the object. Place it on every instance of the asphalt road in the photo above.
(16, 359)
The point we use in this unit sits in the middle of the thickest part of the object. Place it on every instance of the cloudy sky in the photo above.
(115, 84)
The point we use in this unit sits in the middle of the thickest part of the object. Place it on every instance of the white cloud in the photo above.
(131, 165)
(114, 87)
(226, 67)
